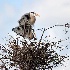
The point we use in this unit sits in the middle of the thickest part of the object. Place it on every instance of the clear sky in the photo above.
(51, 12)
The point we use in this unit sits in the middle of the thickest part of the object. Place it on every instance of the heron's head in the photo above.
(34, 14)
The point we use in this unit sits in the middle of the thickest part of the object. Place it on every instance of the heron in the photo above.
(26, 22)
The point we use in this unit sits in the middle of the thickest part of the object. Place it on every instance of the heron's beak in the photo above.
(37, 14)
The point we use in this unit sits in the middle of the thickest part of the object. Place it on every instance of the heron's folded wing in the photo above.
(23, 32)
(18, 30)
(24, 19)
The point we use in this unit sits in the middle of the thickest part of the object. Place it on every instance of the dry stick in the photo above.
(41, 37)
(11, 37)
(7, 50)
(3, 64)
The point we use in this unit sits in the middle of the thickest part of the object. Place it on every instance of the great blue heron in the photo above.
(25, 25)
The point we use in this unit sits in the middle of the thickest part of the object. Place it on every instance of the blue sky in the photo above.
(51, 12)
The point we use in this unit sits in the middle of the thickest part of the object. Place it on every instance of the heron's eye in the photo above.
(32, 12)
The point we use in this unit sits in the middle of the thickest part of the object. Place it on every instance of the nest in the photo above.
(34, 56)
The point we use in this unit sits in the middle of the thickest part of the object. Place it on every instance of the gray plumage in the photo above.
(25, 25)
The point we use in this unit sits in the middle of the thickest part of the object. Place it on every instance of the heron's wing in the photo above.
(24, 19)
(18, 30)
